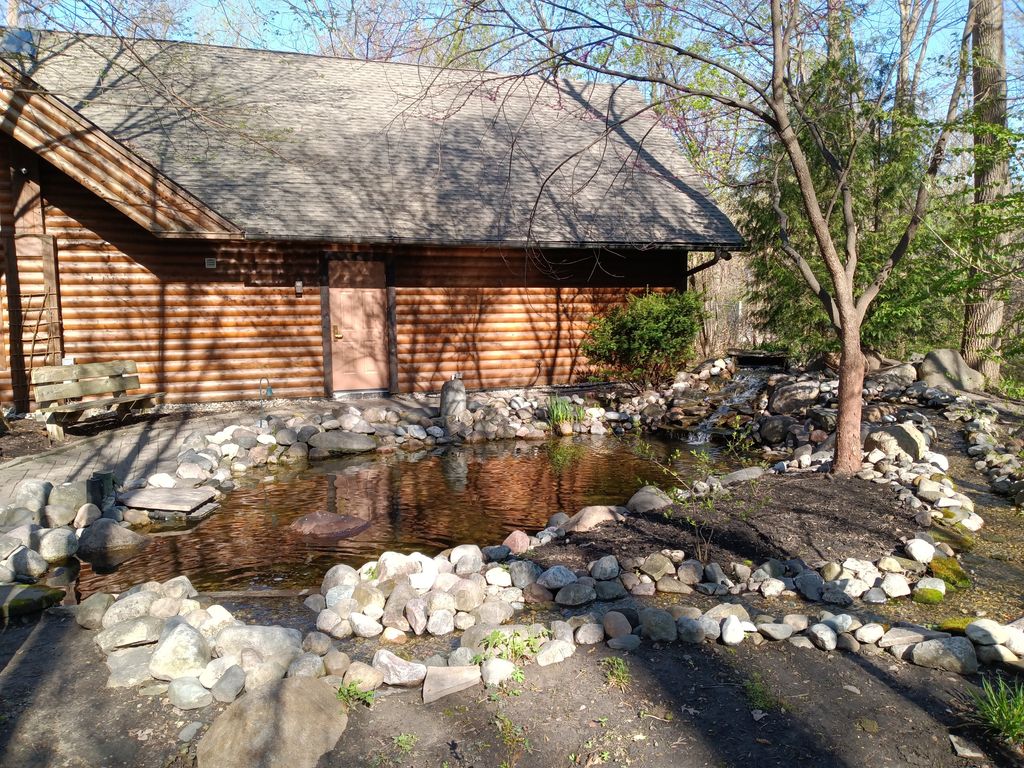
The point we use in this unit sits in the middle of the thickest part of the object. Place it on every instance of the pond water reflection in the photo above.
(426, 501)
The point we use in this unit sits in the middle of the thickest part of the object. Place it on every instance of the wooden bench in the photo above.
(60, 392)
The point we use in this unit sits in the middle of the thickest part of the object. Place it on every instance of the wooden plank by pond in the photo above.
(169, 499)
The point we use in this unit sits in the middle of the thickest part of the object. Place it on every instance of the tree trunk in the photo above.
(849, 448)
(984, 311)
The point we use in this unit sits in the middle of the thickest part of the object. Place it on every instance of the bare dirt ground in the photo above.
(683, 706)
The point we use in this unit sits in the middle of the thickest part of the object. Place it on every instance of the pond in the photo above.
(426, 501)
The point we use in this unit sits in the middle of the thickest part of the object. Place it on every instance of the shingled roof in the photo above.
(291, 146)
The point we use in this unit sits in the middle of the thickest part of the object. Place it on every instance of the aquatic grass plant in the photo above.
(999, 708)
(563, 455)
(561, 410)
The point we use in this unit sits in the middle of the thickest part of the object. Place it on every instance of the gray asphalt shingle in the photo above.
(293, 146)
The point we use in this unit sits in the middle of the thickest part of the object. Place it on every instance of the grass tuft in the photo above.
(350, 696)
(759, 696)
(616, 672)
(999, 709)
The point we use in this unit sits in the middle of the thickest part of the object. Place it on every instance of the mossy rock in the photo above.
(955, 624)
(928, 596)
(959, 539)
(22, 599)
(950, 571)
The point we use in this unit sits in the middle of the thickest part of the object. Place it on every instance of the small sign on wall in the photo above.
(211, 262)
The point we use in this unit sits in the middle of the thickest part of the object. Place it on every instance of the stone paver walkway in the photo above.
(144, 449)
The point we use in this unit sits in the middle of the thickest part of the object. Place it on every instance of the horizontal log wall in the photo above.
(199, 334)
(499, 318)
(508, 319)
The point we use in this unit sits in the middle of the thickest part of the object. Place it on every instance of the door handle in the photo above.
(337, 332)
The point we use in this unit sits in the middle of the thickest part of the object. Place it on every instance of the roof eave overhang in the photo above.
(45, 125)
(697, 247)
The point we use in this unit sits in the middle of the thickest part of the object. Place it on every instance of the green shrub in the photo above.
(645, 342)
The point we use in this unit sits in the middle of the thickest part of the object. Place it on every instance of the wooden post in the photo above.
(389, 270)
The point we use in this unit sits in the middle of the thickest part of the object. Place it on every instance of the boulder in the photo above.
(444, 681)
(144, 630)
(58, 544)
(105, 540)
(589, 518)
(398, 671)
(188, 693)
(329, 525)
(182, 652)
(948, 367)
(898, 437)
(954, 654)
(338, 443)
(269, 642)
(650, 498)
(290, 723)
(791, 398)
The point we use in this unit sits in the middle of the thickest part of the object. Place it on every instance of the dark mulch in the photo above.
(24, 438)
(814, 516)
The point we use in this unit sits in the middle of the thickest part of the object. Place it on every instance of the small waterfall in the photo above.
(742, 389)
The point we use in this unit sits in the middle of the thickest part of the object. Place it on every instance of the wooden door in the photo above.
(357, 328)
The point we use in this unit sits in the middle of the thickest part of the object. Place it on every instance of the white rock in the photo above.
(919, 550)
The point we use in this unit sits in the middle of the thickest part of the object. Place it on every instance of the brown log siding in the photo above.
(500, 318)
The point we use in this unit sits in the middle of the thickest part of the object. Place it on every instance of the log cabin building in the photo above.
(220, 215)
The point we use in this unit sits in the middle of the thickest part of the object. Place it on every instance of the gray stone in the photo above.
(775, 631)
(130, 606)
(624, 643)
(589, 518)
(909, 636)
(58, 544)
(987, 632)
(89, 613)
(441, 623)
(609, 590)
(605, 568)
(364, 626)
(556, 578)
(823, 636)
(468, 595)
(33, 494)
(398, 671)
(657, 565)
(105, 538)
(182, 652)
(268, 641)
(129, 667)
(575, 594)
(657, 625)
(188, 693)
(144, 630)
(444, 681)
(589, 634)
(648, 499)
(954, 654)
(339, 575)
(523, 573)
(794, 397)
(338, 443)
(904, 437)
(741, 476)
(179, 587)
(895, 585)
(287, 723)
(337, 662)
(869, 633)
(555, 651)
(317, 642)
(306, 665)
(690, 572)
(690, 630)
(27, 562)
(948, 367)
